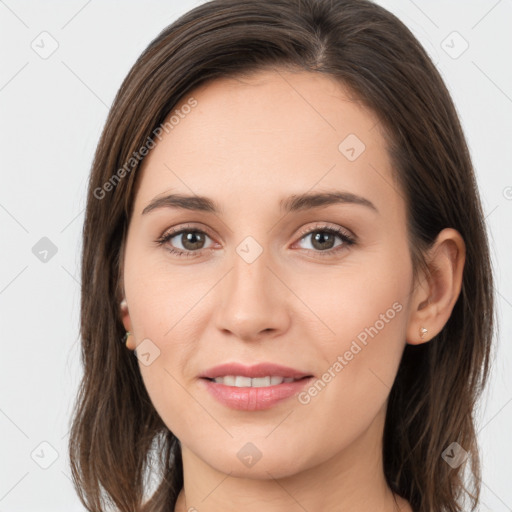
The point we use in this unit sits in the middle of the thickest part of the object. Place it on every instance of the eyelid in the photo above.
(175, 231)
(327, 226)
(186, 227)
(303, 231)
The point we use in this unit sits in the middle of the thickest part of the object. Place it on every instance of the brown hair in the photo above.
(116, 433)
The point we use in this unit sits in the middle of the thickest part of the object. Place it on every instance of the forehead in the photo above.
(272, 130)
(274, 107)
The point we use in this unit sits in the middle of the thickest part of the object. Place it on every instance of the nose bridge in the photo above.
(250, 276)
(251, 302)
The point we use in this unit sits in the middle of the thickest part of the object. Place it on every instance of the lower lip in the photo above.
(254, 399)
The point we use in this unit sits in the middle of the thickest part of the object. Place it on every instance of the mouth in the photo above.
(259, 375)
(253, 388)
(240, 381)
(249, 397)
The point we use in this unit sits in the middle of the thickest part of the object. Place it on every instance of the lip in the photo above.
(257, 370)
(249, 398)
(254, 399)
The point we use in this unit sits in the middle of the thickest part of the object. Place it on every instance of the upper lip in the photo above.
(257, 370)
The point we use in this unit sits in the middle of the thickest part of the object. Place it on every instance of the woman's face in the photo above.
(266, 281)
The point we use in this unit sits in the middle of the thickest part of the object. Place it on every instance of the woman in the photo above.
(284, 230)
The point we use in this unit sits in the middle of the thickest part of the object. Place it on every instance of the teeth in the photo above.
(246, 382)
(242, 382)
(229, 380)
(259, 382)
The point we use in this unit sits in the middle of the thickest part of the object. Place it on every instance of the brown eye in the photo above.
(184, 242)
(323, 240)
(191, 240)
(320, 240)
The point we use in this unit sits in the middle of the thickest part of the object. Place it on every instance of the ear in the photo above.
(125, 313)
(437, 291)
(125, 316)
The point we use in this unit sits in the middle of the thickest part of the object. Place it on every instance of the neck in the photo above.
(352, 480)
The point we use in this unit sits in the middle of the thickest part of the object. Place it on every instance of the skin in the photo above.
(248, 143)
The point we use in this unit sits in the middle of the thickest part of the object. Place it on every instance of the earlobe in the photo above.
(128, 339)
(434, 299)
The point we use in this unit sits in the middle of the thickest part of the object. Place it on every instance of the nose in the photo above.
(254, 303)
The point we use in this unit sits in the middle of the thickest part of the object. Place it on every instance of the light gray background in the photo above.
(52, 112)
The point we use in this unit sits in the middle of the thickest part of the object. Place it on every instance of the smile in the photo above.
(247, 382)
(253, 394)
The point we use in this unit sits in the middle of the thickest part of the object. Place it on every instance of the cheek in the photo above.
(165, 309)
(161, 294)
(359, 363)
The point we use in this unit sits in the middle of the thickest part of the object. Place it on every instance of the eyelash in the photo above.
(346, 239)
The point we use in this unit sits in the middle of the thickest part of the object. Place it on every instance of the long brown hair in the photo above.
(118, 441)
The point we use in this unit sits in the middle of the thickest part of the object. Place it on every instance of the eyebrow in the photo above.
(293, 203)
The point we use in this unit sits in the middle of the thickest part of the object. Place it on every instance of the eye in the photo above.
(191, 240)
(323, 240)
